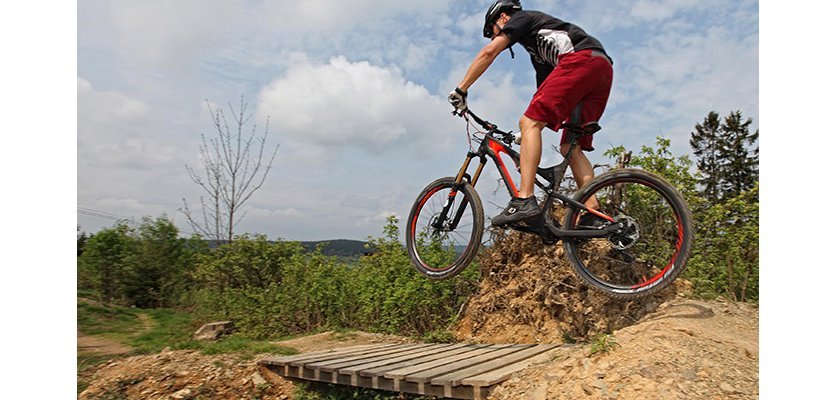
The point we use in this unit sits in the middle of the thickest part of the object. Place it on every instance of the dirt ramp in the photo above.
(530, 294)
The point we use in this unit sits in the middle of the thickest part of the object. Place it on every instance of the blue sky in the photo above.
(355, 95)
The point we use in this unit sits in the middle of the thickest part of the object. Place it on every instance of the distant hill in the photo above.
(343, 248)
(339, 247)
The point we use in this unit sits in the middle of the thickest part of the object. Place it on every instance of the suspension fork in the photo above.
(459, 181)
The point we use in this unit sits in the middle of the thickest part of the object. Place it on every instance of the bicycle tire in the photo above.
(653, 205)
(419, 227)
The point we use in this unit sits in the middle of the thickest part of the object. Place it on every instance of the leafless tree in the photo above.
(234, 167)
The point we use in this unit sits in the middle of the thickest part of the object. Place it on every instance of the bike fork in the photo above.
(461, 178)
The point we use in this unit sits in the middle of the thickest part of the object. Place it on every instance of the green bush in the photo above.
(273, 289)
(725, 256)
(147, 266)
(727, 262)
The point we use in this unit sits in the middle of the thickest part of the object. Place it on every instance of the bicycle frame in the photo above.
(492, 147)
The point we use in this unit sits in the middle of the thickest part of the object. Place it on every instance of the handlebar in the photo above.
(492, 129)
(589, 128)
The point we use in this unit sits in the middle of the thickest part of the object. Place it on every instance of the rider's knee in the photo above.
(578, 152)
(526, 124)
(564, 148)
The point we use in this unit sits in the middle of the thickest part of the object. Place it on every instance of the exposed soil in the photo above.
(190, 375)
(688, 349)
(529, 294)
(183, 375)
(99, 346)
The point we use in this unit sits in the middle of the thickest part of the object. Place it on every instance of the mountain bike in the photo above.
(638, 244)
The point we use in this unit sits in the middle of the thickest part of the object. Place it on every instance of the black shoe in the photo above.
(589, 220)
(517, 210)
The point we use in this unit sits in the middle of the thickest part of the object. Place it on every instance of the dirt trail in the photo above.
(97, 345)
(688, 349)
(101, 346)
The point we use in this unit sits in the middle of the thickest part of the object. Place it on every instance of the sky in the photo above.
(354, 96)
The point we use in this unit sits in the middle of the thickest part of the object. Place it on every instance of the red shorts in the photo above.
(576, 91)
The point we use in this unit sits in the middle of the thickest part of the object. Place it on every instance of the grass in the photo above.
(602, 343)
(151, 330)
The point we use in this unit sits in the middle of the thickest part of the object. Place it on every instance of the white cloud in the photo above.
(355, 104)
(162, 32)
(677, 78)
(656, 10)
(113, 130)
(334, 17)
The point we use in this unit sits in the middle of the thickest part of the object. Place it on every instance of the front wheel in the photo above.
(443, 233)
(653, 244)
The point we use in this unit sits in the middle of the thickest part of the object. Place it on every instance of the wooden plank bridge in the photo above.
(461, 371)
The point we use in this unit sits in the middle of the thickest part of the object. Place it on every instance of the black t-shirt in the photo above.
(546, 38)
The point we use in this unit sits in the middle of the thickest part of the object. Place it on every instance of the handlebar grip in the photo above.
(517, 138)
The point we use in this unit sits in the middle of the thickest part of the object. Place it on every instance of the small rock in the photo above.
(727, 388)
(586, 388)
(214, 330)
(690, 375)
(181, 394)
(257, 379)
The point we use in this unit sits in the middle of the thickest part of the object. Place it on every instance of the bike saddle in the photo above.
(589, 128)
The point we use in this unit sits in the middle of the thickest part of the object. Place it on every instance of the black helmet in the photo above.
(495, 11)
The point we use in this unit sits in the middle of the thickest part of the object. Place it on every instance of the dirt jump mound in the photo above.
(529, 293)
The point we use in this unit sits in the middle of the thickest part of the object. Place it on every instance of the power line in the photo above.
(116, 217)
(106, 215)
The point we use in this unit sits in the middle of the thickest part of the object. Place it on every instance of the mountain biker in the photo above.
(573, 79)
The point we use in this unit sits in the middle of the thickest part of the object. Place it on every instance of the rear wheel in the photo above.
(651, 248)
(443, 233)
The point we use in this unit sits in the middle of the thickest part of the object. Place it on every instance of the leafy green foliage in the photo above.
(274, 289)
(395, 298)
(728, 166)
(104, 264)
(705, 142)
(146, 267)
(602, 343)
(725, 257)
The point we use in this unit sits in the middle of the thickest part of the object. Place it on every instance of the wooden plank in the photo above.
(333, 365)
(401, 373)
(282, 360)
(359, 354)
(465, 371)
(404, 372)
(427, 375)
(443, 353)
(430, 350)
(455, 378)
(501, 374)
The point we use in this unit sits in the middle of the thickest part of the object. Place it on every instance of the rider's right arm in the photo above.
(483, 60)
